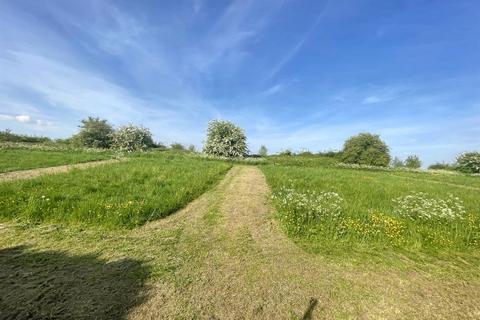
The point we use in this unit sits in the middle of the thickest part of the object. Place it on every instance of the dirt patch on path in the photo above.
(232, 261)
(29, 174)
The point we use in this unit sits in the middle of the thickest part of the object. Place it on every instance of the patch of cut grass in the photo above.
(121, 195)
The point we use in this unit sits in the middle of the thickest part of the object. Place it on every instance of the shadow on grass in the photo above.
(54, 285)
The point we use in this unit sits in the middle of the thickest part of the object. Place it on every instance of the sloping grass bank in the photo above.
(120, 195)
(13, 159)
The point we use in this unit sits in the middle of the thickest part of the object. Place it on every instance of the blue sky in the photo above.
(294, 74)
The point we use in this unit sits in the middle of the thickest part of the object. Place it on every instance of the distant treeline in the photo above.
(8, 136)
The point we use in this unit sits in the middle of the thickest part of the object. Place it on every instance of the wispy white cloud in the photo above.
(241, 22)
(19, 118)
(25, 119)
(296, 48)
(273, 89)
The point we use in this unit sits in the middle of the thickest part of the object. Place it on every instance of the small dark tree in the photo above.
(263, 151)
(366, 148)
(413, 162)
(192, 148)
(397, 163)
(287, 152)
(94, 133)
(177, 146)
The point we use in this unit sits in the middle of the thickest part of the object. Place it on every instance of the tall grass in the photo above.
(120, 195)
(369, 214)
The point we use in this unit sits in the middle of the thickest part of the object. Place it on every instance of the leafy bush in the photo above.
(397, 163)
(419, 205)
(469, 162)
(305, 153)
(177, 146)
(8, 136)
(413, 162)
(132, 138)
(225, 139)
(441, 166)
(331, 154)
(287, 152)
(263, 151)
(366, 148)
(94, 133)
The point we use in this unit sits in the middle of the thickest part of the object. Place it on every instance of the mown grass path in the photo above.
(235, 263)
(32, 173)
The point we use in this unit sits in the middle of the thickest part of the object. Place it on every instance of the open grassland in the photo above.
(124, 194)
(221, 257)
(13, 159)
(340, 211)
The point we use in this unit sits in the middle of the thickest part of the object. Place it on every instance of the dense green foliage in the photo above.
(94, 133)
(397, 163)
(132, 138)
(366, 148)
(9, 136)
(373, 207)
(225, 139)
(124, 194)
(177, 146)
(12, 159)
(413, 162)
(441, 166)
(469, 162)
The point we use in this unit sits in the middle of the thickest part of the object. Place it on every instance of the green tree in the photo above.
(397, 163)
(94, 133)
(263, 151)
(225, 139)
(413, 162)
(177, 146)
(366, 148)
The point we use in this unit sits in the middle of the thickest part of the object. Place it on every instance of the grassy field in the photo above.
(224, 255)
(13, 159)
(366, 216)
(125, 194)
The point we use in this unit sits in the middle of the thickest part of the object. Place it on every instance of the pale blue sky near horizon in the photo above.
(299, 75)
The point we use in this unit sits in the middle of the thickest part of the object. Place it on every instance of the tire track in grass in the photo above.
(33, 173)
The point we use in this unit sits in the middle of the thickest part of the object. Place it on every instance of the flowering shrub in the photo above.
(224, 139)
(419, 205)
(379, 168)
(299, 209)
(469, 162)
(132, 138)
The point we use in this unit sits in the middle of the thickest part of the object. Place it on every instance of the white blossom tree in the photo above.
(132, 138)
(225, 139)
